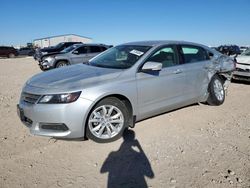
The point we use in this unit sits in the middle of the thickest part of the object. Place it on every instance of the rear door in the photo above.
(5, 51)
(23, 51)
(94, 51)
(196, 63)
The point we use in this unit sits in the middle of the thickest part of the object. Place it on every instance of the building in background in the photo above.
(54, 40)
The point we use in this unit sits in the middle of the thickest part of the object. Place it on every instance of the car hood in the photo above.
(53, 54)
(243, 59)
(72, 78)
(49, 49)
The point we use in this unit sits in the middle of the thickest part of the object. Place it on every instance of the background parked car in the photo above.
(77, 53)
(229, 49)
(39, 53)
(26, 51)
(243, 49)
(242, 71)
(7, 51)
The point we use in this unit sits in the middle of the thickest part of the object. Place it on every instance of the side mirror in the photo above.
(75, 52)
(152, 66)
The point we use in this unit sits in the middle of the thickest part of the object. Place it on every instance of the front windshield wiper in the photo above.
(108, 67)
(98, 65)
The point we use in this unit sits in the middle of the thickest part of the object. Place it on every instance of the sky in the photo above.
(210, 22)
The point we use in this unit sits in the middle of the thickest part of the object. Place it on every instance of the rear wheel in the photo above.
(11, 55)
(216, 91)
(107, 120)
(60, 64)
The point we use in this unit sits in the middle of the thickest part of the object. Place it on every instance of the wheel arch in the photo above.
(221, 76)
(58, 60)
(122, 98)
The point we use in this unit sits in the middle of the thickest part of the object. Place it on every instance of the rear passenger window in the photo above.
(68, 44)
(166, 56)
(103, 48)
(95, 49)
(193, 54)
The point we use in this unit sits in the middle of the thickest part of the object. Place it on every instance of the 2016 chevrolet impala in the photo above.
(121, 86)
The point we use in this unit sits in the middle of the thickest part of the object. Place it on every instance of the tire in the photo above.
(60, 64)
(11, 55)
(100, 126)
(216, 91)
(30, 54)
(41, 67)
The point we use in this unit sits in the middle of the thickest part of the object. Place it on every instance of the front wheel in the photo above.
(11, 55)
(61, 64)
(107, 120)
(216, 91)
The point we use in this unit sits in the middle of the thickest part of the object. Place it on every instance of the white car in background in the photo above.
(243, 48)
(242, 71)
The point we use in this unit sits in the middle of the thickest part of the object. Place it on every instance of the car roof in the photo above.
(92, 44)
(160, 42)
(6, 46)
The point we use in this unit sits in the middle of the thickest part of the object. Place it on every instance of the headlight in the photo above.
(44, 53)
(60, 98)
(50, 59)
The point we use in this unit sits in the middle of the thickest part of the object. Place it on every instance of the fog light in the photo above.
(54, 126)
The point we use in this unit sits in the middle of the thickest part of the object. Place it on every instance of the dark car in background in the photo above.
(7, 51)
(229, 49)
(39, 53)
(26, 51)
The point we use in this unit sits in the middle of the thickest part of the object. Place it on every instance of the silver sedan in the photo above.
(121, 86)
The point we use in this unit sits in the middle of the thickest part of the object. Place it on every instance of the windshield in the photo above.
(59, 45)
(120, 57)
(69, 49)
(247, 52)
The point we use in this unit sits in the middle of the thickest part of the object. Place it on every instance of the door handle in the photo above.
(177, 71)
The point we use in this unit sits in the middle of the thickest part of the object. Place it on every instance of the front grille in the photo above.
(30, 98)
(239, 77)
(242, 70)
(243, 64)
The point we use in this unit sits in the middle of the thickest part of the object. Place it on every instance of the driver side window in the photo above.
(166, 56)
(82, 50)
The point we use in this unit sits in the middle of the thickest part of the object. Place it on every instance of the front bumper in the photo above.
(45, 65)
(242, 72)
(46, 119)
(37, 56)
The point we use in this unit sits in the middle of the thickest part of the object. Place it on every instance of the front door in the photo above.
(164, 90)
(79, 55)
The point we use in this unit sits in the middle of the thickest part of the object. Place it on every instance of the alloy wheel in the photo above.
(106, 121)
(218, 90)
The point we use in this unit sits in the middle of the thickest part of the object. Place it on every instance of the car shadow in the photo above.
(128, 166)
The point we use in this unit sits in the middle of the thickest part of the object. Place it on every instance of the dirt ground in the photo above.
(197, 146)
